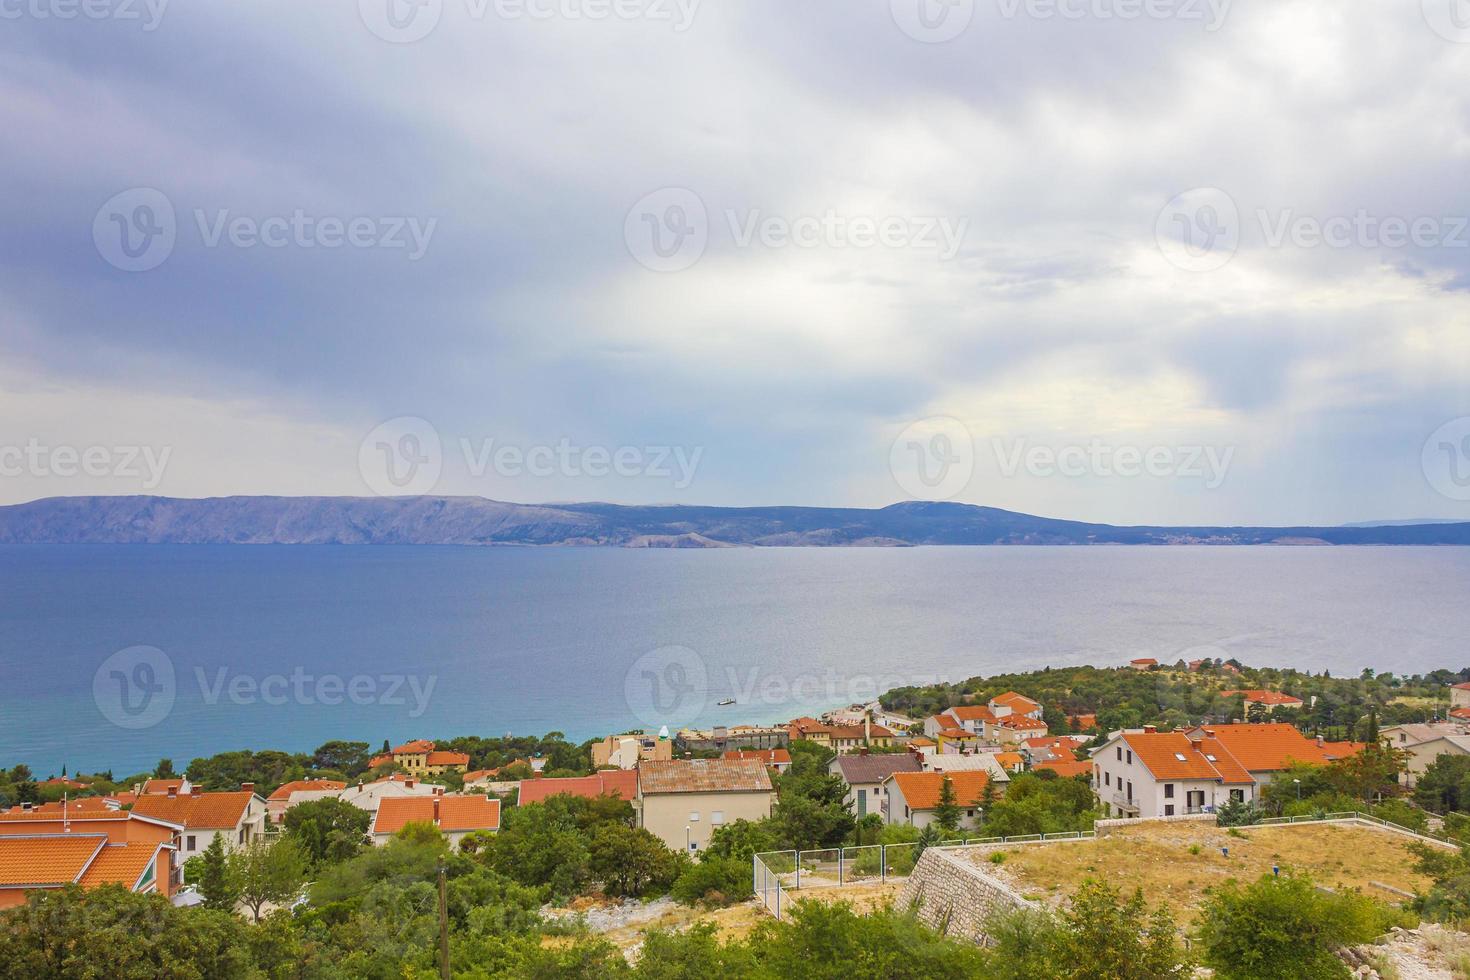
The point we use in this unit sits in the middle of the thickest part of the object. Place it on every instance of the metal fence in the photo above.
(1369, 818)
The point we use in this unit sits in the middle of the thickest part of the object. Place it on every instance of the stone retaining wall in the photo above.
(1103, 826)
(955, 896)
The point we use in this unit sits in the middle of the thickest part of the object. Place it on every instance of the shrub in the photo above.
(714, 881)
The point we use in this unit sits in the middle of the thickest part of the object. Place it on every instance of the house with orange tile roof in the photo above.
(1143, 663)
(162, 787)
(626, 751)
(453, 816)
(912, 797)
(1006, 719)
(841, 738)
(1066, 769)
(422, 758)
(237, 817)
(135, 851)
(1082, 722)
(1150, 773)
(1269, 700)
(683, 802)
(622, 783)
(1460, 696)
(279, 801)
(779, 760)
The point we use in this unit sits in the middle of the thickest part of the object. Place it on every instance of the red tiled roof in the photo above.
(1259, 696)
(120, 864)
(622, 783)
(1144, 660)
(162, 786)
(1083, 721)
(1021, 723)
(921, 789)
(1171, 755)
(957, 733)
(197, 811)
(443, 758)
(1018, 703)
(418, 746)
(771, 757)
(1066, 769)
(454, 813)
(284, 791)
(970, 712)
(1272, 747)
(1462, 687)
(48, 860)
(1010, 760)
(702, 776)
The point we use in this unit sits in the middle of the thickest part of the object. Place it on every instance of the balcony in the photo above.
(1125, 802)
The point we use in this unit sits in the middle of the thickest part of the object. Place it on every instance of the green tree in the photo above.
(328, 830)
(348, 758)
(631, 861)
(216, 883)
(1100, 936)
(265, 872)
(164, 769)
(1283, 928)
(1444, 787)
(947, 812)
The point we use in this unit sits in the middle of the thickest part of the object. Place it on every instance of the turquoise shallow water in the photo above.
(265, 644)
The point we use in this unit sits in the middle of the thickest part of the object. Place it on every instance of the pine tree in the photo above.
(947, 813)
(215, 883)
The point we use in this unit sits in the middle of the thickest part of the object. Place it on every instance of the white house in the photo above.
(237, 817)
(454, 816)
(913, 797)
(864, 776)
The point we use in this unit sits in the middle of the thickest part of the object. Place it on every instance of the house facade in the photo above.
(90, 848)
(913, 797)
(1422, 744)
(422, 758)
(626, 751)
(683, 802)
(238, 817)
(864, 776)
(456, 817)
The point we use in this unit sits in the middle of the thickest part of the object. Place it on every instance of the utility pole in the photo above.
(443, 927)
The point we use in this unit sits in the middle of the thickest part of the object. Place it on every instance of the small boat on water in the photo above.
(726, 701)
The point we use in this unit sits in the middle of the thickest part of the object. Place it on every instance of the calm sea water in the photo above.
(288, 647)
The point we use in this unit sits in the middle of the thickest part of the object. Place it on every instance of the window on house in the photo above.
(1107, 779)
(1130, 757)
(1120, 753)
(1168, 791)
(717, 816)
(693, 816)
(1237, 795)
(189, 843)
(1168, 809)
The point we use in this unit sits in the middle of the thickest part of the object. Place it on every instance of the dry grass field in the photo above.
(1175, 863)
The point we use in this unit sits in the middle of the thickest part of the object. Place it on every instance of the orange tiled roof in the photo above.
(47, 860)
(1171, 755)
(921, 789)
(120, 864)
(1088, 720)
(1021, 723)
(957, 733)
(1018, 703)
(161, 786)
(284, 791)
(454, 813)
(443, 758)
(197, 811)
(1065, 768)
(622, 783)
(1260, 696)
(418, 746)
(919, 741)
(703, 776)
(1462, 687)
(771, 757)
(1144, 660)
(1010, 760)
(1272, 747)
(970, 712)
(858, 731)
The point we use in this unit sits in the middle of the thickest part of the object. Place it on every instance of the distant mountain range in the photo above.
(477, 521)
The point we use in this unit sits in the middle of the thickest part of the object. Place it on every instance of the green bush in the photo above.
(714, 881)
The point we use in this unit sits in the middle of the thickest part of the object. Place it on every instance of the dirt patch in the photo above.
(1175, 863)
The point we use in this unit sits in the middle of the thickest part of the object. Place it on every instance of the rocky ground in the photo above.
(1430, 952)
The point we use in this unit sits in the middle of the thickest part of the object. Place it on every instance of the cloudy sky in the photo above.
(1101, 259)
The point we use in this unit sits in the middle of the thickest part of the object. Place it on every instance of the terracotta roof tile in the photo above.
(1018, 703)
(1066, 769)
(921, 789)
(1170, 755)
(1261, 696)
(120, 864)
(197, 811)
(284, 791)
(53, 859)
(442, 758)
(455, 813)
(702, 776)
(771, 757)
(1272, 747)
(622, 783)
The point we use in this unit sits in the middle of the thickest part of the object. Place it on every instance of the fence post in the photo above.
(882, 862)
(840, 851)
(798, 871)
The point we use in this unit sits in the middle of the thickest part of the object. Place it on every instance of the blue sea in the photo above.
(115, 656)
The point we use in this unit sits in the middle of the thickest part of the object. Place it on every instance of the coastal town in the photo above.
(881, 776)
